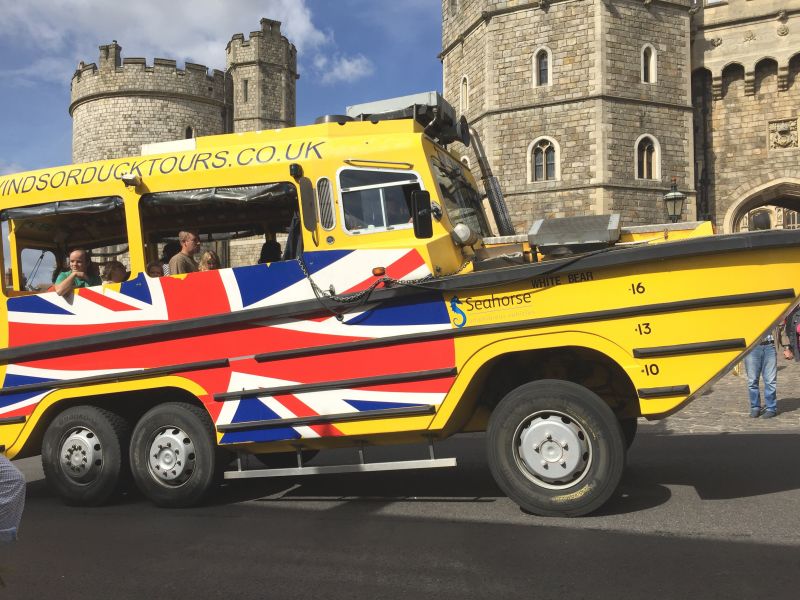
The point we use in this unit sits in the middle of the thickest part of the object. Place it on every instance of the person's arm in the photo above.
(65, 285)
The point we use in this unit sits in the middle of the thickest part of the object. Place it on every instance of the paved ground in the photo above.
(726, 408)
(707, 508)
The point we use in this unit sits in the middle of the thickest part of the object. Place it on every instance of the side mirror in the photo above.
(307, 204)
(421, 214)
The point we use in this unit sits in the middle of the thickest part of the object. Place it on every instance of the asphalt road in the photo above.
(707, 516)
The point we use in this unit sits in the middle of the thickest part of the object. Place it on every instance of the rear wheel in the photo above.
(83, 454)
(555, 448)
(174, 457)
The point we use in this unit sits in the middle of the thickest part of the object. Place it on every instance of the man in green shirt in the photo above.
(77, 276)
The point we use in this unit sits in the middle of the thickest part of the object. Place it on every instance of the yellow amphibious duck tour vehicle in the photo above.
(392, 314)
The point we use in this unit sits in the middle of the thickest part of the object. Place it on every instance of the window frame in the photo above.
(463, 100)
(656, 166)
(340, 191)
(531, 155)
(536, 67)
(648, 66)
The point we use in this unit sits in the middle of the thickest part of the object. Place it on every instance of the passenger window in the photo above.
(376, 200)
(237, 223)
(38, 267)
(37, 240)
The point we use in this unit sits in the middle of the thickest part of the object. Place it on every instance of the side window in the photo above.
(542, 67)
(38, 239)
(376, 200)
(38, 266)
(649, 64)
(236, 226)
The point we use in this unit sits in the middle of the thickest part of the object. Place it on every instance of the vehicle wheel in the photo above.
(629, 427)
(555, 448)
(174, 457)
(83, 454)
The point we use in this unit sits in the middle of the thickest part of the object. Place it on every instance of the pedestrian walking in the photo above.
(762, 362)
(12, 499)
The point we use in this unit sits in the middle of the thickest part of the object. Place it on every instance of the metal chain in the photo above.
(363, 295)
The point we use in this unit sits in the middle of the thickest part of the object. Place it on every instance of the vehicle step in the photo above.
(351, 468)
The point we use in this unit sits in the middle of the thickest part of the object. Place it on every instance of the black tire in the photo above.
(83, 455)
(175, 460)
(555, 448)
(629, 427)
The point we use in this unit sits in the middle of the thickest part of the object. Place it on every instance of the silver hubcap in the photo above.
(172, 456)
(81, 455)
(552, 449)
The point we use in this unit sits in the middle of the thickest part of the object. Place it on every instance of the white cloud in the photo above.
(59, 32)
(346, 69)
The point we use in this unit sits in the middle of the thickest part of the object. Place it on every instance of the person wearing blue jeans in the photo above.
(762, 360)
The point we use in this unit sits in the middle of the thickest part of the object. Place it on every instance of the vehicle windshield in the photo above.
(461, 200)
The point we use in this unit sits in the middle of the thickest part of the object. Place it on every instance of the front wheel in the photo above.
(174, 456)
(555, 448)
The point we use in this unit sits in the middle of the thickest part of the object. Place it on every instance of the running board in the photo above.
(353, 468)
(360, 467)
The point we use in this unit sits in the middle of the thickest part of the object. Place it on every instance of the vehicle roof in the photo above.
(278, 147)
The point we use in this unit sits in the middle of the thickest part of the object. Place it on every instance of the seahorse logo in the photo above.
(454, 302)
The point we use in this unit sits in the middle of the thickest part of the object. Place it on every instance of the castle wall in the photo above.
(263, 72)
(747, 93)
(595, 107)
(119, 105)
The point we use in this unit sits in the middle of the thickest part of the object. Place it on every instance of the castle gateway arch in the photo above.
(779, 198)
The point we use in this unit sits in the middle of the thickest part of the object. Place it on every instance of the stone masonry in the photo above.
(746, 57)
(596, 105)
(119, 104)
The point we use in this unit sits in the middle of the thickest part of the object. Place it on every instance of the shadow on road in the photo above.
(719, 466)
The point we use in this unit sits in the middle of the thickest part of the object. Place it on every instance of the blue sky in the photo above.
(349, 51)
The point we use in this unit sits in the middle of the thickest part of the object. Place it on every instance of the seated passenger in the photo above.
(154, 268)
(114, 272)
(171, 248)
(183, 261)
(79, 274)
(209, 261)
(270, 251)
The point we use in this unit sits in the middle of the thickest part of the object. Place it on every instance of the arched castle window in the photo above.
(794, 70)
(245, 90)
(648, 158)
(649, 64)
(464, 101)
(733, 79)
(544, 160)
(790, 220)
(453, 8)
(189, 133)
(465, 162)
(766, 76)
(542, 66)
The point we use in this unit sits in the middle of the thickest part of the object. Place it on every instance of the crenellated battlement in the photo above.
(113, 74)
(267, 45)
(118, 104)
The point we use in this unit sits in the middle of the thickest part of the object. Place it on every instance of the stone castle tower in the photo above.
(119, 104)
(593, 106)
